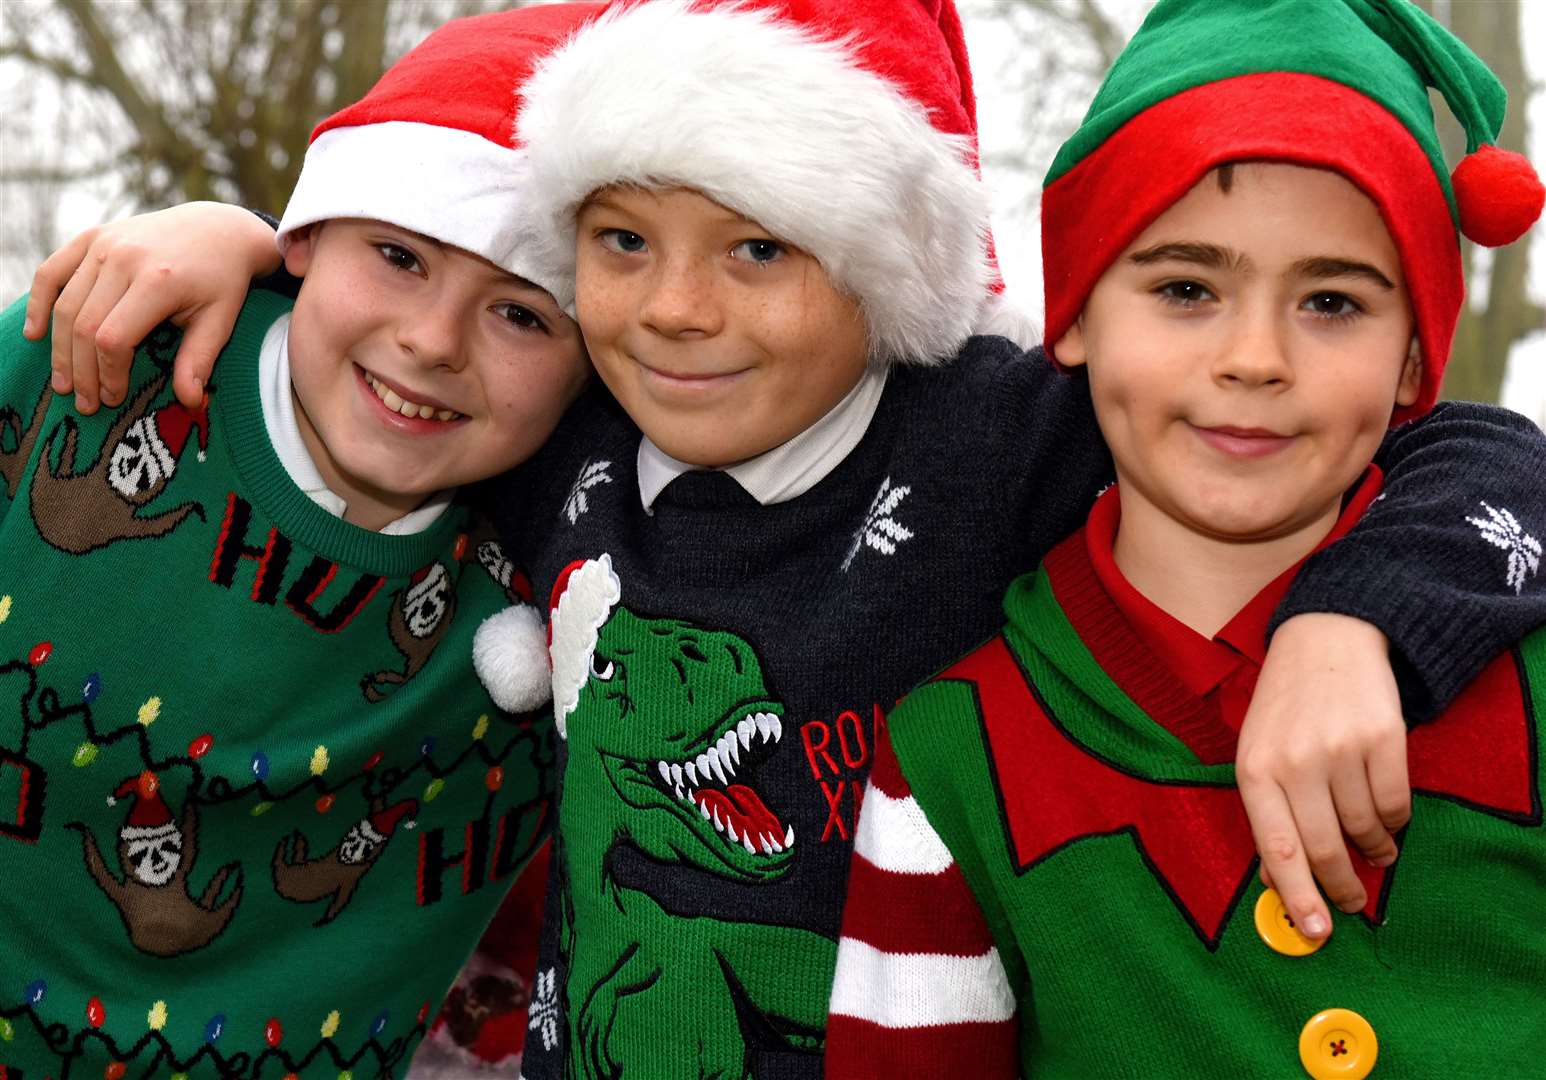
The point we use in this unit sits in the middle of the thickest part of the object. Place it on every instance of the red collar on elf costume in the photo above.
(1203, 663)
(432, 147)
(1335, 84)
(845, 127)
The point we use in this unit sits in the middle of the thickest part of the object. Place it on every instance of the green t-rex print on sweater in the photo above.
(667, 729)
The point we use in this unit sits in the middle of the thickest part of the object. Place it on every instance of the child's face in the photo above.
(419, 367)
(720, 341)
(1246, 351)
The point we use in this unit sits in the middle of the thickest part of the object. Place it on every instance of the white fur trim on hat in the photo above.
(509, 653)
(575, 622)
(1002, 317)
(793, 132)
(448, 184)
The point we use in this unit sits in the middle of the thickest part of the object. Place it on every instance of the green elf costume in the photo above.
(1070, 890)
(255, 806)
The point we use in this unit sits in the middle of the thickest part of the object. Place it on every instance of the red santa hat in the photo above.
(149, 816)
(583, 598)
(845, 127)
(380, 824)
(432, 146)
(169, 429)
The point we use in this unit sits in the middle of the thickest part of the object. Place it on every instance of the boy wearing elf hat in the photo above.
(1281, 286)
(805, 492)
(269, 800)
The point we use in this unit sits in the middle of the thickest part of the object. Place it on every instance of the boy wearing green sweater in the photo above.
(1071, 890)
(254, 807)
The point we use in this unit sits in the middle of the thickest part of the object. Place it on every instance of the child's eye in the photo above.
(400, 257)
(1332, 305)
(621, 241)
(758, 251)
(1184, 293)
(523, 317)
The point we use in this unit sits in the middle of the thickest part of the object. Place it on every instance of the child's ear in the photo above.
(1411, 375)
(298, 252)
(1069, 349)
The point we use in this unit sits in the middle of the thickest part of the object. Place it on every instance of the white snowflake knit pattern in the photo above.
(880, 530)
(577, 502)
(1502, 529)
(543, 1013)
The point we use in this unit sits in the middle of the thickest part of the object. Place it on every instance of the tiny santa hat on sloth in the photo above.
(432, 148)
(149, 816)
(847, 128)
(1333, 84)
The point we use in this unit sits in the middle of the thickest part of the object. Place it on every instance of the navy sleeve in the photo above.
(1446, 562)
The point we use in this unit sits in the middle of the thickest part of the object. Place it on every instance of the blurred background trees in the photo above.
(122, 105)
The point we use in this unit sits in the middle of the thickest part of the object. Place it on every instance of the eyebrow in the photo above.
(1209, 255)
(1221, 258)
(1322, 266)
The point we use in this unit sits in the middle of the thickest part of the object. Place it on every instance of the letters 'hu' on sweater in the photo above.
(1054, 876)
(717, 751)
(254, 806)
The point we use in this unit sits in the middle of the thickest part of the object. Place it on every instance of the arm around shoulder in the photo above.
(1446, 563)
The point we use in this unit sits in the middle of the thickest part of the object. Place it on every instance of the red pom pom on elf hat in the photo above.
(1499, 195)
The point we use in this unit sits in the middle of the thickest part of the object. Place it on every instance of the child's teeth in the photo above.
(392, 401)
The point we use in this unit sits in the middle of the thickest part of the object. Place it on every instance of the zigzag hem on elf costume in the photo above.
(255, 807)
(1054, 875)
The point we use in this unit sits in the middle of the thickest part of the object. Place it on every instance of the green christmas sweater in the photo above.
(1049, 881)
(255, 807)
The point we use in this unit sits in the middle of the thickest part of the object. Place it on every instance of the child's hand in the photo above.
(112, 285)
(1322, 753)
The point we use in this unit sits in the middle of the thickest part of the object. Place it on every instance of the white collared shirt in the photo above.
(284, 434)
(789, 470)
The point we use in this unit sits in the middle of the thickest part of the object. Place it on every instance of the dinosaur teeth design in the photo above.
(676, 774)
(719, 770)
(769, 842)
(665, 771)
(730, 831)
(729, 751)
(789, 837)
(745, 729)
(692, 772)
(704, 810)
(746, 842)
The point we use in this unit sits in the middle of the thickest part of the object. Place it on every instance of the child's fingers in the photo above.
(1360, 820)
(1320, 831)
(1283, 862)
(203, 338)
(72, 344)
(49, 281)
(1389, 783)
(92, 323)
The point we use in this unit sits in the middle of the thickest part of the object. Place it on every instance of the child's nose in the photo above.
(1255, 353)
(432, 336)
(680, 301)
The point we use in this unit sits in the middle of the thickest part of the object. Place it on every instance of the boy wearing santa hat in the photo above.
(250, 622)
(1072, 891)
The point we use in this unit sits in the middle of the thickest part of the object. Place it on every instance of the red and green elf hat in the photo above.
(1337, 84)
